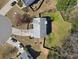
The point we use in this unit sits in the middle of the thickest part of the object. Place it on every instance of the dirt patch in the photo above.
(7, 51)
(3, 2)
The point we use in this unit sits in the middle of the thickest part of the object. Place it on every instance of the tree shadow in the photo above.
(33, 53)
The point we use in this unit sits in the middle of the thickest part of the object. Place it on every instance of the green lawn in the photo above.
(60, 29)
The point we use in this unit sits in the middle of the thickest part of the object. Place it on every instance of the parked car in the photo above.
(13, 3)
(21, 45)
(14, 40)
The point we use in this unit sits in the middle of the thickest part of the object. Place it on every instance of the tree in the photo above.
(63, 5)
(68, 50)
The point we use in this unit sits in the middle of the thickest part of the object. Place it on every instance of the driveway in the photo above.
(21, 32)
(21, 51)
(6, 8)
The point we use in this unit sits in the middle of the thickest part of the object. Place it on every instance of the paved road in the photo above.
(6, 8)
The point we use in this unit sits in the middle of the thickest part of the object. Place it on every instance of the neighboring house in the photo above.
(22, 53)
(25, 55)
(28, 2)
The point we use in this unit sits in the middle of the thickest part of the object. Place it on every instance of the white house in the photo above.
(39, 27)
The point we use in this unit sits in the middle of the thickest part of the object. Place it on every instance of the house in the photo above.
(38, 30)
(28, 2)
(22, 52)
(25, 55)
(39, 27)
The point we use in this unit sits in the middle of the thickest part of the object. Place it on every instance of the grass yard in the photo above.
(60, 29)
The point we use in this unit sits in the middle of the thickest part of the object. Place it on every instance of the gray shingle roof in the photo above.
(28, 2)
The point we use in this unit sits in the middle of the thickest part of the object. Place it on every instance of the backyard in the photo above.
(60, 30)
